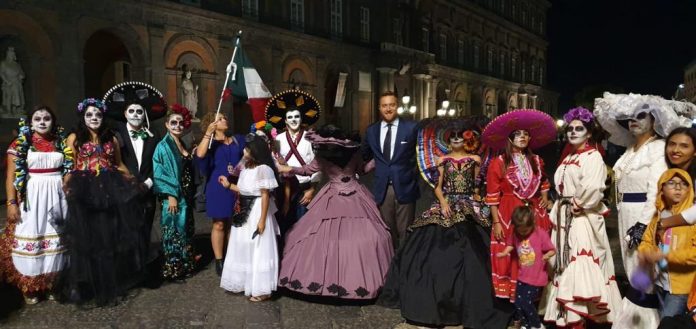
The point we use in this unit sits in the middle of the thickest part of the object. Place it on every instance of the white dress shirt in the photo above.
(383, 135)
(138, 144)
(305, 149)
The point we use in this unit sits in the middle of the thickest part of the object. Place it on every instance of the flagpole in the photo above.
(227, 78)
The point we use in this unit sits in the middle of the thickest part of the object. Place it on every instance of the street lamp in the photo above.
(405, 100)
(445, 110)
(560, 123)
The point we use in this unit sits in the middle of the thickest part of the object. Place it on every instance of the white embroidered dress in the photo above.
(251, 265)
(586, 287)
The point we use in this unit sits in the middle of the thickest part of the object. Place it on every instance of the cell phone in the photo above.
(255, 234)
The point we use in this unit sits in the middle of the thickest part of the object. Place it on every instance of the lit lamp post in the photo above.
(445, 110)
(404, 108)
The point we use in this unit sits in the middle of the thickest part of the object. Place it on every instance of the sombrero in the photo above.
(289, 100)
(612, 109)
(541, 128)
(120, 96)
(431, 143)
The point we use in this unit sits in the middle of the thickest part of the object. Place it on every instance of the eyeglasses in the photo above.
(175, 123)
(578, 129)
(138, 111)
(670, 184)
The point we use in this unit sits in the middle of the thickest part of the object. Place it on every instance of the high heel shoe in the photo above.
(219, 264)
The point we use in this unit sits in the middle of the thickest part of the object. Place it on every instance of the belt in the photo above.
(632, 197)
(44, 171)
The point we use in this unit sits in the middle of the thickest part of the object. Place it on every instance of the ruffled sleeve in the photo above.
(544, 185)
(265, 178)
(307, 169)
(12, 149)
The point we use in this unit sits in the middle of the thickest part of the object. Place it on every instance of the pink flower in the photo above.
(29, 246)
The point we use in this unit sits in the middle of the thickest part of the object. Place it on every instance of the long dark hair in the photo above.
(82, 134)
(259, 152)
(507, 156)
(691, 133)
(335, 154)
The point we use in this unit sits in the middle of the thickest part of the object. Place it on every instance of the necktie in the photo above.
(386, 147)
(138, 134)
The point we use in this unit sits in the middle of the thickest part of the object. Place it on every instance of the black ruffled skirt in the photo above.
(103, 236)
(441, 276)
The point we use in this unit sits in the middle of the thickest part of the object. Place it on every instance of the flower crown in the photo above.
(82, 106)
(578, 113)
(263, 127)
(183, 111)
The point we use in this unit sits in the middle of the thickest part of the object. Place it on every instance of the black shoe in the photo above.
(218, 266)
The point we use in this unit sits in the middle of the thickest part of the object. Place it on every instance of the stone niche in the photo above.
(17, 97)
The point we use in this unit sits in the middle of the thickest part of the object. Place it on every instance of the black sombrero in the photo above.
(120, 96)
(290, 100)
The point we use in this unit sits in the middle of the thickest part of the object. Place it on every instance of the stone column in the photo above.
(432, 98)
(157, 78)
(386, 79)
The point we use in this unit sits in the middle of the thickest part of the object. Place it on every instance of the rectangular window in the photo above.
(443, 46)
(337, 18)
(297, 13)
(477, 56)
(365, 24)
(502, 64)
(396, 30)
(425, 39)
(489, 60)
(460, 52)
(250, 8)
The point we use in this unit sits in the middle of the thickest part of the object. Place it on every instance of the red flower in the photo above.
(15, 244)
(29, 246)
(45, 244)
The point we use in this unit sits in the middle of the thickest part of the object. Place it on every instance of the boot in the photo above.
(219, 264)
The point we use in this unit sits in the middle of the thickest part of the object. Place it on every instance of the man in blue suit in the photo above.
(391, 142)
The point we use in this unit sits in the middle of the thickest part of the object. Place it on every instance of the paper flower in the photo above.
(578, 113)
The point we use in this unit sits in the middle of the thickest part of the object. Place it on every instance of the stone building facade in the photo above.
(484, 56)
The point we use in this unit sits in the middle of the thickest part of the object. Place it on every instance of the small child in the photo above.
(251, 264)
(528, 243)
(671, 251)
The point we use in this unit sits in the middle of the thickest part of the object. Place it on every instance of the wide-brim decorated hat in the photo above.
(540, 126)
(289, 100)
(120, 96)
(613, 109)
(432, 140)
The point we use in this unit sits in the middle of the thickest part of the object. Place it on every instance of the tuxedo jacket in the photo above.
(401, 169)
(128, 153)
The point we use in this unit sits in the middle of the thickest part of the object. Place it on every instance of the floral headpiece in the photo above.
(263, 127)
(82, 106)
(183, 111)
(578, 113)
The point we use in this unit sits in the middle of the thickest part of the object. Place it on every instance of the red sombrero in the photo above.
(541, 128)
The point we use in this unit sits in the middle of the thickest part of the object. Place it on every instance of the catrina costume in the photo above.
(441, 274)
(103, 233)
(173, 176)
(515, 182)
(296, 150)
(32, 250)
(584, 283)
(636, 174)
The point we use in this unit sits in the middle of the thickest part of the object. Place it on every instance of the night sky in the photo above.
(636, 46)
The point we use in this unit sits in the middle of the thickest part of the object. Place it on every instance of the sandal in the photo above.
(257, 299)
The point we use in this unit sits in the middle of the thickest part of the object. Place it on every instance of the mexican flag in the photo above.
(247, 85)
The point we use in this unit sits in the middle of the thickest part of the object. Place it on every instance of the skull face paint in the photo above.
(293, 120)
(577, 133)
(456, 140)
(135, 115)
(641, 124)
(42, 122)
(520, 139)
(175, 124)
(93, 117)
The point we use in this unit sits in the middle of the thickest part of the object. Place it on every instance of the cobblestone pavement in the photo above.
(200, 303)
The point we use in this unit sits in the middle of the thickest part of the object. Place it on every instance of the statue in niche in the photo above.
(189, 93)
(12, 75)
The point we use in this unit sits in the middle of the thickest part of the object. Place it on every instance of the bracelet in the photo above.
(11, 202)
(496, 223)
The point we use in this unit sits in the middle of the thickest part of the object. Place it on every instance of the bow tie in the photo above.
(139, 134)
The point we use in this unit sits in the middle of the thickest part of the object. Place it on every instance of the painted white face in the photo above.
(93, 118)
(135, 115)
(577, 133)
(520, 139)
(293, 120)
(456, 141)
(175, 124)
(641, 124)
(42, 122)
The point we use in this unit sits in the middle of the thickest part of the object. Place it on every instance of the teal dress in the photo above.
(173, 176)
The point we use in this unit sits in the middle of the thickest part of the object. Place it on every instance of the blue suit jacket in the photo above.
(401, 170)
